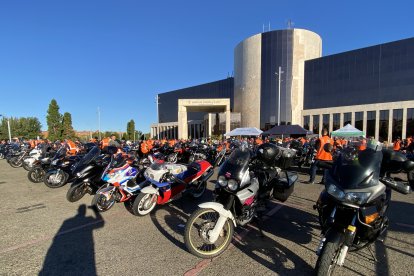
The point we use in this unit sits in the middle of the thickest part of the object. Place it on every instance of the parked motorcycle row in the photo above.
(352, 208)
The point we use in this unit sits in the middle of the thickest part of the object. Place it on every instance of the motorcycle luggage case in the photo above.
(286, 158)
(283, 187)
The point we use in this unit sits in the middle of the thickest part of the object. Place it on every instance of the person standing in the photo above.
(322, 156)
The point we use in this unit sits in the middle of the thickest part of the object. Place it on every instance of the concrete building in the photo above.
(371, 88)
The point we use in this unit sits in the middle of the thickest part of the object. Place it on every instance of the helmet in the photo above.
(268, 153)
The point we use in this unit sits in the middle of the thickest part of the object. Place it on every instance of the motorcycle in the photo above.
(34, 154)
(244, 182)
(38, 170)
(88, 173)
(121, 186)
(168, 181)
(16, 159)
(60, 170)
(353, 206)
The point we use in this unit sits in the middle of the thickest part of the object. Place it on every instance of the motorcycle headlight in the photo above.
(351, 197)
(222, 181)
(232, 184)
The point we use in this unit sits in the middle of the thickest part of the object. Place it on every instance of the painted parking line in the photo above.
(200, 266)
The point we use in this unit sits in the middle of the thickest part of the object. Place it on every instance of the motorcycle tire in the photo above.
(2, 155)
(144, 203)
(15, 163)
(200, 231)
(58, 184)
(26, 166)
(76, 192)
(326, 262)
(101, 203)
(35, 175)
(198, 192)
(172, 158)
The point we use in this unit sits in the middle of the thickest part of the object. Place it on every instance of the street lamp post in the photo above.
(99, 123)
(8, 127)
(158, 117)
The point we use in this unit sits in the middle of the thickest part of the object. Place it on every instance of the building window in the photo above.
(410, 122)
(325, 121)
(397, 123)
(347, 118)
(359, 120)
(371, 123)
(315, 124)
(306, 121)
(336, 117)
(383, 125)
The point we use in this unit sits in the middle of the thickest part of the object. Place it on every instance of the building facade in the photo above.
(371, 88)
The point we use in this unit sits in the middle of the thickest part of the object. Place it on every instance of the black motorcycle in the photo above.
(353, 207)
(38, 170)
(60, 170)
(244, 182)
(88, 172)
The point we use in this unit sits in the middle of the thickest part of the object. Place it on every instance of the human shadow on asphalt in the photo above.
(170, 219)
(72, 251)
(291, 224)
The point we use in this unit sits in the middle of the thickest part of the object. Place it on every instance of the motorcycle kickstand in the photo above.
(372, 253)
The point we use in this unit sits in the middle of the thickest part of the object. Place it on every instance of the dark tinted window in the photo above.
(383, 125)
(315, 124)
(359, 117)
(371, 123)
(397, 123)
(306, 121)
(336, 117)
(347, 118)
(325, 121)
(410, 122)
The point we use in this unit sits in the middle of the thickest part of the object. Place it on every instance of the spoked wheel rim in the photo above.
(147, 203)
(36, 175)
(199, 233)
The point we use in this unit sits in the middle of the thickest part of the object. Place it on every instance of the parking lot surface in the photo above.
(42, 233)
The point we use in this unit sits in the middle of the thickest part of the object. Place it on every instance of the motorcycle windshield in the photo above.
(357, 170)
(91, 155)
(60, 153)
(236, 165)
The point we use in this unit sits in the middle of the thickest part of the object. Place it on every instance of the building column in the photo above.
(320, 124)
(377, 118)
(389, 125)
(353, 119)
(341, 120)
(182, 122)
(364, 122)
(209, 125)
(228, 119)
(151, 132)
(311, 123)
(330, 122)
(404, 124)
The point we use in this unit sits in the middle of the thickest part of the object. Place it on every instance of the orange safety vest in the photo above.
(322, 154)
(144, 148)
(105, 142)
(397, 145)
(72, 147)
(258, 141)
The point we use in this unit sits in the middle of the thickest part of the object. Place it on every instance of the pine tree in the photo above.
(54, 121)
(131, 130)
(67, 129)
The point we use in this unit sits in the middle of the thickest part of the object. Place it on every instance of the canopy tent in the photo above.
(348, 131)
(288, 130)
(244, 131)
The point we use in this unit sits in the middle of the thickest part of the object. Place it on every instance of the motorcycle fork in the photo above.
(349, 239)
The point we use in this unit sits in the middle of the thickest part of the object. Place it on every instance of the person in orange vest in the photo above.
(321, 155)
(397, 144)
(73, 149)
(363, 145)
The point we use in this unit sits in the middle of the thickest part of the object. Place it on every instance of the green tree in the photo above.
(54, 121)
(130, 130)
(67, 129)
(24, 127)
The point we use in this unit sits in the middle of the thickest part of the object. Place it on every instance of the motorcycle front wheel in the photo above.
(15, 163)
(328, 257)
(35, 175)
(144, 203)
(197, 230)
(102, 203)
(54, 179)
(76, 192)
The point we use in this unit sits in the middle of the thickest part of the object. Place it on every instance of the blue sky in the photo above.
(119, 54)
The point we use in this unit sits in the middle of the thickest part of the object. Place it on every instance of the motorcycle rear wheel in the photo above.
(1, 155)
(15, 163)
(326, 262)
(196, 234)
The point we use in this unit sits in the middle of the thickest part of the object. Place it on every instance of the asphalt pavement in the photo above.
(42, 233)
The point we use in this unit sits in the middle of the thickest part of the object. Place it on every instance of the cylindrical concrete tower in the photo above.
(256, 60)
